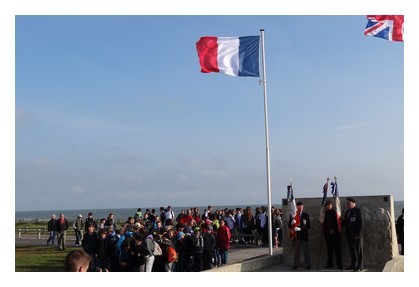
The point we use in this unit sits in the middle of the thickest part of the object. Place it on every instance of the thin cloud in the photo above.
(353, 126)
(25, 118)
(85, 122)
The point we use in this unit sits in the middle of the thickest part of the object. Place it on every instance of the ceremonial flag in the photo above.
(293, 212)
(325, 187)
(234, 56)
(389, 27)
(335, 195)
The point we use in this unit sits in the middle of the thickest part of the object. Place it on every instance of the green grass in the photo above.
(40, 258)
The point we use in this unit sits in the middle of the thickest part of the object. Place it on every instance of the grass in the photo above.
(40, 258)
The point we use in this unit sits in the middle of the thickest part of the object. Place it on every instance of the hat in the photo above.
(351, 199)
(80, 216)
(196, 229)
(300, 203)
(179, 235)
(209, 227)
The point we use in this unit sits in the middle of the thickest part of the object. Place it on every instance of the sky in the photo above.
(113, 111)
(109, 112)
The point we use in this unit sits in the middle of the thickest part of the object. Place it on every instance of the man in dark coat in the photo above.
(301, 239)
(51, 229)
(399, 230)
(332, 235)
(61, 225)
(353, 223)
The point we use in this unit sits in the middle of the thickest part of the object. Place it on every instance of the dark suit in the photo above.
(333, 238)
(301, 240)
(353, 223)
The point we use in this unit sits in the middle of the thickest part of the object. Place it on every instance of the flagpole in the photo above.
(268, 164)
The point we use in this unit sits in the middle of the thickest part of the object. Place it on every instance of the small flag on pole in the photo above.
(389, 27)
(234, 56)
(335, 195)
(295, 220)
(325, 188)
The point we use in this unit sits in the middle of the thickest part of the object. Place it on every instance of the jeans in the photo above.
(217, 256)
(79, 236)
(224, 257)
(51, 237)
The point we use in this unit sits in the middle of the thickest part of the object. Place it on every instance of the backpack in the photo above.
(157, 249)
(171, 254)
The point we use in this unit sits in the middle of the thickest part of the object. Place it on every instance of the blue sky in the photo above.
(112, 111)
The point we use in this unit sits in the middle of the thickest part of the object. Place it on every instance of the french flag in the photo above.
(234, 56)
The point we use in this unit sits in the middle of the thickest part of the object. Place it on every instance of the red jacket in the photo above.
(223, 238)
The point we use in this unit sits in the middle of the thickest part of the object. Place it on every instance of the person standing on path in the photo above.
(78, 229)
(332, 236)
(223, 238)
(62, 226)
(301, 240)
(400, 231)
(353, 223)
(51, 230)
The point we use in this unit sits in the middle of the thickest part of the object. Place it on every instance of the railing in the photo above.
(37, 231)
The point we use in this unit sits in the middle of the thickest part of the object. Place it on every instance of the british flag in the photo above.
(389, 27)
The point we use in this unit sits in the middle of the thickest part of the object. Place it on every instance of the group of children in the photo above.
(189, 242)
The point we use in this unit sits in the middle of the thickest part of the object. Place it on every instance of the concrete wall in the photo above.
(379, 232)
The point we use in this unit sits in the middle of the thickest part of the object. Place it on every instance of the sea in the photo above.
(121, 214)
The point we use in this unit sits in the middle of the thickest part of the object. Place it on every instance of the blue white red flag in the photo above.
(389, 27)
(322, 213)
(293, 212)
(335, 194)
(234, 56)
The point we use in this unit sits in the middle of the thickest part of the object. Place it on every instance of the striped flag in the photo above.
(389, 27)
(293, 212)
(234, 56)
(325, 188)
(335, 195)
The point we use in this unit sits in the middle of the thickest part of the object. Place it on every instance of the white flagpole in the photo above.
(268, 164)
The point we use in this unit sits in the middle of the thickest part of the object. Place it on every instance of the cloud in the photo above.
(25, 118)
(353, 126)
(85, 122)
(78, 189)
(125, 159)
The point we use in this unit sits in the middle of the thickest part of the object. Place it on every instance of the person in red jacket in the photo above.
(223, 241)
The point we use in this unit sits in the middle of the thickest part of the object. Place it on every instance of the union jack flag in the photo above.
(389, 27)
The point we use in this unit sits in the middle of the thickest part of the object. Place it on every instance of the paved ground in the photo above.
(242, 253)
(238, 253)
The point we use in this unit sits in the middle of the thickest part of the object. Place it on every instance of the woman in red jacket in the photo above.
(223, 241)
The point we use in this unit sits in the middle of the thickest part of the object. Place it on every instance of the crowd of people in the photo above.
(163, 241)
(192, 241)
